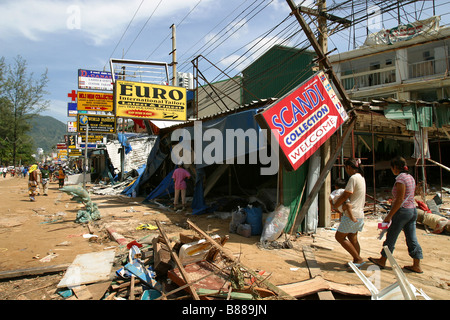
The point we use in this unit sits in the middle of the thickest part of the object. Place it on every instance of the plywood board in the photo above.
(88, 268)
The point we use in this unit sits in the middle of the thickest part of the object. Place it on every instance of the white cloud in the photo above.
(99, 20)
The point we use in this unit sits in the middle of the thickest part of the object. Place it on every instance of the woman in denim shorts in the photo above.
(352, 221)
(403, 216)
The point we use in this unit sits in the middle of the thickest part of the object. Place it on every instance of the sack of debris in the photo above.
(254, 219)
(237, 217)
(244, 230)
(275, 223)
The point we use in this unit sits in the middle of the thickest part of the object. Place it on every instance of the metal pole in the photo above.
(324, 214)
(174, 56)
(422, 138)
(85, 154)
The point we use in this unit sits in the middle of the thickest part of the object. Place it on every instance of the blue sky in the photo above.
(64, 36)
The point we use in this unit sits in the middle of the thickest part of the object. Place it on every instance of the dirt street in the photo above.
(31, 231)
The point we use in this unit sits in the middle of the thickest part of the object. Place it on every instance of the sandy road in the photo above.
(30, 231)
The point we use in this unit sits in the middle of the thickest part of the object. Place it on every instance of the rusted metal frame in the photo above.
(301, 215)
(229, 77)
(195, 73)
(177, 261)
(214, 89)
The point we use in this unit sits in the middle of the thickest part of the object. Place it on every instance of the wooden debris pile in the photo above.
(192, 267)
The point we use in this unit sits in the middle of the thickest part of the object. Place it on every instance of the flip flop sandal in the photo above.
(358, 265)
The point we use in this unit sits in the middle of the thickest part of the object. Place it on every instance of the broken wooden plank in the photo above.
(177, 261)
(349, 289)
(82, 292)
(98, 289)
(305, 288)
(325, 295)
(161, 258)
(319, 285)
(33, 271)
(131, 295)
(227, 253)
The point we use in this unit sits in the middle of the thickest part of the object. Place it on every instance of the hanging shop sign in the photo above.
(405, 32)
(95, 101)
(94, 80)
(71, 126)
(92, 139)
(72, 109)
(75, 153)
(71, 141)
(304, 119)
(149, 101)
(96, 123)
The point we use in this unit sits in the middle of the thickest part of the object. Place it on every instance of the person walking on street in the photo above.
(352, 221)
(45, 178)
(32, 182)
(25, 171)
(61, 176)
(402, 216)
(179, 176)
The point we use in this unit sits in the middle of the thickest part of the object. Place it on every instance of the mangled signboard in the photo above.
(304, 119)
(149, 101)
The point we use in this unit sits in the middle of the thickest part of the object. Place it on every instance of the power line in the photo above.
(178, 25)
(140, 31)
(123, 34)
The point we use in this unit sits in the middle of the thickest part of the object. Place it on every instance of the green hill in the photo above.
(46, 132)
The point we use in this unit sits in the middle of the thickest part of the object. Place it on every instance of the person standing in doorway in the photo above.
(352, 221)
(32, 182)
(402, 216)
(179, 177)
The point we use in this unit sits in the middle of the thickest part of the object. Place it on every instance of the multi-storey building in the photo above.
(412, 69)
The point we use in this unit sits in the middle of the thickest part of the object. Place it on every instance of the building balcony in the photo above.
(428, 68)
(370, 78)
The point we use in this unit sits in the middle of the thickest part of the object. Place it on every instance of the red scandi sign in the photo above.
(304, 119)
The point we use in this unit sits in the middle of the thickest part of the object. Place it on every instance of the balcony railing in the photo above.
(369, 78)
(428, 68)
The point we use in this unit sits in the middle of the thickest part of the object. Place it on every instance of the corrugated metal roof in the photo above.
(255, 104)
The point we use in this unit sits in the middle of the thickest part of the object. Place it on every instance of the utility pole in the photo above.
(85, 153)
(325, 64)
(174, 55)
(324, 205)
